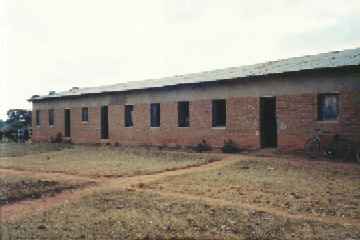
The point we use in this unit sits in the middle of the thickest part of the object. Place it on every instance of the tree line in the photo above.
(17, 125)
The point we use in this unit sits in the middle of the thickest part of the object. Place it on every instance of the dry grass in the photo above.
(298, 186)
(290, 186)
(15, 150)
(106, 161)
(136, 215)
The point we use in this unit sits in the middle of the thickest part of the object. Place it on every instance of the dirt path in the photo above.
(45, 175)
(12, 212)
(272, 211)
(18, 210)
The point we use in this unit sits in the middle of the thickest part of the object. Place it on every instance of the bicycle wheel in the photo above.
(357, 156)
(312, 149)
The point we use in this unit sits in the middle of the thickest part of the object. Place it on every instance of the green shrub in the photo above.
(203, 146)
(57, 139)
(230, 147)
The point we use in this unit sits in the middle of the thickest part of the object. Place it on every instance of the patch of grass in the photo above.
(138, 215)
(107, 161)
(16, 188)
(318, 188)
(15, 149)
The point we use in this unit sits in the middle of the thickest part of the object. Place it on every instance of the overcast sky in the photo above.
(57, 44)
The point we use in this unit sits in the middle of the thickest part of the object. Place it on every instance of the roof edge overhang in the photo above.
(72, 96)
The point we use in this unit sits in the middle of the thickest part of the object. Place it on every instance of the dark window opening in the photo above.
(219, 113)
(155, 115)
(37, 117)
(128, 115)
(51, 117)
(328, 107)
(183, 114)
(85, 114)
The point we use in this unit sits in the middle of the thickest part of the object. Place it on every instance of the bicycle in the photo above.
(338, 148)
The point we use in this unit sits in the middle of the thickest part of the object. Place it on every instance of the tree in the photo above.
(2, 123)
(16, 119)
(19, 115)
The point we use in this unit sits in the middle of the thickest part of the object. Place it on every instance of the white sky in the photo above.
(57, 44)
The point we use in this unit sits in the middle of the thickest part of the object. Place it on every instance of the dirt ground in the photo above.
(104, 161)
(297, 186)
(16, 150)
(14, 188)
(221, 197)
(137, 215)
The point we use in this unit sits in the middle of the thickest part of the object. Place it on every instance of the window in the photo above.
(219, 113)
(328, 107)
(128, 115)
(37, 117)
(51, 117)
(84, 114)
(155, 115)
(183, 114)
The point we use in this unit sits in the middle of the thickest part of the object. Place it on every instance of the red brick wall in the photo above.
(85, 132)
(296, 114)
(241, 124)
(297, 119)
(82, 132)
(44, 132)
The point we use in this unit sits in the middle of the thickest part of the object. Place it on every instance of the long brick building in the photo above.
(274, 104)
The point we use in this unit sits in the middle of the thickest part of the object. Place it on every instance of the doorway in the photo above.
(268, 126)
(104, 121)
(67, 120)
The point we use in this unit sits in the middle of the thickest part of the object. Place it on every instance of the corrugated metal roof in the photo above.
(325, 60)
